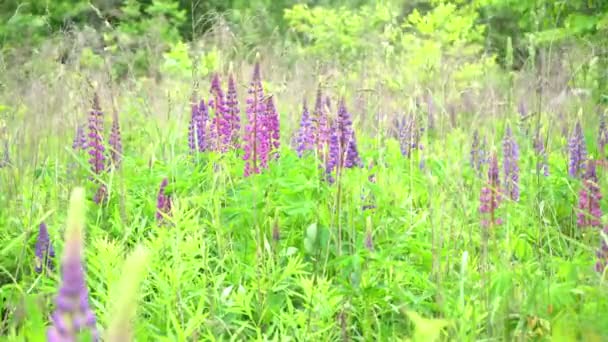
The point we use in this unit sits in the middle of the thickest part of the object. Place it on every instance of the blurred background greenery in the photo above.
(476, 34)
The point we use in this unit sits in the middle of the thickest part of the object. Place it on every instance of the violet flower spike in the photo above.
(221, 121)
(602, 139)
(273, 127)
(233, 111)
(255, 150)
(602, 252)
(577, 152)
(163, 202)
(95, 142)
(589, 211)
(490, 196)
(541, 152)
(72, 314)
(511, 167)
(115, 143)
(305, 138)
(44, 250)
(80, 140)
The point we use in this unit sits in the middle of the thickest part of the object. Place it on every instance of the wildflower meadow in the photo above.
(282, 171)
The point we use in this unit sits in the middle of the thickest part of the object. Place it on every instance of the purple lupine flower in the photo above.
(478, 153)
(602, 252)
(510, 165)
(578, 151)
(541, 152)
(221, 120)
(409, 135)
(522, 109)
(333, 152)
(349, 155)
(115, 143)
(255, 131)
(233, 112)
(273, 127)
(589, 211)
(163, 202)
(95, 142)
(205, 134)
(96, 148)
(44, 250)
(602, 136)
(321, 129)
(490, 197)
(369, 240)
(305, 138)
(80, 139)
(73, 314)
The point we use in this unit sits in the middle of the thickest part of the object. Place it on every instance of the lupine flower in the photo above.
(305, 139)
(73, 315)
(333, 152)
(44, 250)
(96, 148)
(95, 143)
(197, 128)
(321, 129)
(602, 137)
(589, 213)
(115, 143)
(256, 148)
(80, 140)
(233, 112)
(221, 120)
(273, 127)
(342, 145)
(163, 202)
(578, 151)
(348, 144)
(490, 196)
(510, 165)
(602, 252)
(409, 135)
(478, 152)
(522, 109)
(539, 148)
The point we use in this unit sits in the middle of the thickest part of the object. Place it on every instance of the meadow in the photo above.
(259, 192)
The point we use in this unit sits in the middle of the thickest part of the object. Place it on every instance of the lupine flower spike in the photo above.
(321, 129)
(589, 212)
(221, 120)
(511, 165)
(44, 250)
(578, 152)
(115, 143)
(256, 147)
(305, 138)
(80, 140)
(478, 153)
(73, 315)
(490, 197)
(602, 252)
(96, 147)
(273, 127)
(163, 202)
(233, 111)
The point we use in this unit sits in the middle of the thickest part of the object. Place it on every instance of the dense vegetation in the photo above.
(321, 170)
